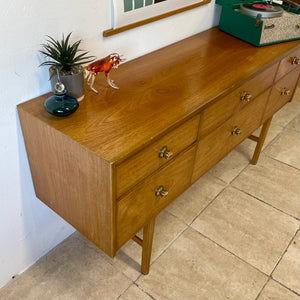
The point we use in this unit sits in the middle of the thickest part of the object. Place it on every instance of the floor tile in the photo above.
(288, 270)
(128, 258)
(294, 124)
(273, 182)
(193, 267)
(286, 114)
(188, 205)
(134, 293)
(248, 228)
(73, 270)
(286, 148)
(247, 147)
(230, 166)
(275, 291)
(273, 131)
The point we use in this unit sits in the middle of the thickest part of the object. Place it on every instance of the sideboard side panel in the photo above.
(71, 180)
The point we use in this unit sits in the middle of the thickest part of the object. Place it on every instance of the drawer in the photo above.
(289, 63)
(222, 140)
(148, 160)
(141, 204)
(222, 110)
(282, 92)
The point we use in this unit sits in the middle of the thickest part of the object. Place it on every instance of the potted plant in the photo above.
(66, 60)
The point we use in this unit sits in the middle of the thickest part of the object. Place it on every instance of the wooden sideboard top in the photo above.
(158, 91)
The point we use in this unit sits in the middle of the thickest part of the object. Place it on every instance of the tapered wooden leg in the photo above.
(147, 246)
(260, 141)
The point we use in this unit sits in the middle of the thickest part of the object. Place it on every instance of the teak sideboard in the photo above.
(111, 167)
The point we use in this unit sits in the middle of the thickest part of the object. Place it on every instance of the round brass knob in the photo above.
(295, 60)
(165, 153)
(236, 131)
(285, 92)
(161, 192)
(298, 26)
(245, 96)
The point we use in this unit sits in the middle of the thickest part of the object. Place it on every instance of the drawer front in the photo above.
(222, 110)
(148, 160)
(282, 92)
(137, 207)
(289, 63)
(222, 140)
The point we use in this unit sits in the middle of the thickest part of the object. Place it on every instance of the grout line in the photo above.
(279, 260)
(263, 288)
(246, 167)
(235, 255)
(202, 210)
(263, 201)
(265, 145)
(291, 166)
(209, 204)
(139, 287)
(171, 243)
(133, 283)
(285, 287)
(125, 291)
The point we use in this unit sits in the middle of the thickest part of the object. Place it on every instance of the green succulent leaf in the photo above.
(63, 55)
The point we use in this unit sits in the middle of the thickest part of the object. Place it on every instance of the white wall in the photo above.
(29, 229)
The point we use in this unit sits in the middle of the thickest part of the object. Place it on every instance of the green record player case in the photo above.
(259, 32)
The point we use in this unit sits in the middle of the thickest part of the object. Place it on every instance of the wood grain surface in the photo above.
(159, 91)
(99, 168)
(139, 206)
(277, 100)
(66, 178)
(216, 145)
(147, 160)
(223, 109)
(286, 65)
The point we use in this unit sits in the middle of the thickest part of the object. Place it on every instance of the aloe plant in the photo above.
(65, 58)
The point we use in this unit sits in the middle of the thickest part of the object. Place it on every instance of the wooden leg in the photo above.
(147, 246)
(260, 141)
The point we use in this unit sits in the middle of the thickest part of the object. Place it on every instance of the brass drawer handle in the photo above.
(161, 192)
(246, 96)
(284, 92)
(165, 153)
(236, 131)
(295, 60)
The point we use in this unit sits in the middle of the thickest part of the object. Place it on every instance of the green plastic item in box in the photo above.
(246, 27)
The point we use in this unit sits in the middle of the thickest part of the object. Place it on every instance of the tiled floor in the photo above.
(233, 235)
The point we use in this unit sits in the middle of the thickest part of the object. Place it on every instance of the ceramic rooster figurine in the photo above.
(105, 64)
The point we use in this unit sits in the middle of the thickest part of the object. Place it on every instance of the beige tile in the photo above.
(248, 228)
(134, 293)
(74, 270)
(273, 131)
(188, 205)
(247, 147)
(128, 258)
(294, 124)
(273, 182)
(275, 291)
(286, 148)
(288, 270)
(230, 166)
(193, 267)
(286, 114)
